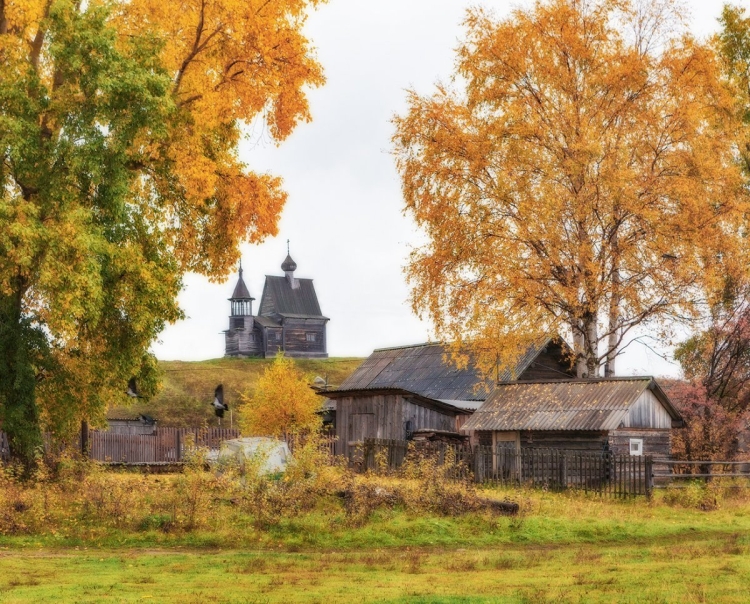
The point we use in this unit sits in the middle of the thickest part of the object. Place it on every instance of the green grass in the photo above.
(188, 387)
(562, 548)
(710, 567)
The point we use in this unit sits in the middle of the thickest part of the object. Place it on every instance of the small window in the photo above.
(277, 336)
(636, 446)
(310, 337)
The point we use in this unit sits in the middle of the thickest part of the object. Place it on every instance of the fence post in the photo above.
(178, 445)
(84, 438)
(649, 469)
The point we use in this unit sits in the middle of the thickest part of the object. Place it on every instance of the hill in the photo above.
(188, 387)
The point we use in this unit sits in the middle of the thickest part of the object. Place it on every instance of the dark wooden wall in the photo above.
(657, 443)
(551, 364)
(564, 439)
(247, 342)
(295, 337)
(384, 416)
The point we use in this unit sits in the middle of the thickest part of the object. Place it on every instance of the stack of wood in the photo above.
(439, 436)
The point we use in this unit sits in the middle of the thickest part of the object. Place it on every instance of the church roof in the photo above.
(240, 290)
(299, 302)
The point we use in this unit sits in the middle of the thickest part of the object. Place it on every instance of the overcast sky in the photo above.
(344, 215)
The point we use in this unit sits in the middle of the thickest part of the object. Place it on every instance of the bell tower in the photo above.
(241, 338)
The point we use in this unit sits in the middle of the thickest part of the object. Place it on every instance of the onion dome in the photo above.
(289, 265)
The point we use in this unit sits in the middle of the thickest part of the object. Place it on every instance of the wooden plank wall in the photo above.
(564, 439)
(648, 412)
(656, 443)
(295, 336)
(383, 416)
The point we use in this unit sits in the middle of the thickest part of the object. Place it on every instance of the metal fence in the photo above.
(554, 469)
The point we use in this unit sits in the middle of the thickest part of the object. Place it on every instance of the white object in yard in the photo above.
(273, 454)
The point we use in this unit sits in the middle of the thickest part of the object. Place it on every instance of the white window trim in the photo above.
(636, 447)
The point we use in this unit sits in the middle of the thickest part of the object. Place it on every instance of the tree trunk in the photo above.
(592, 346)
(614, 325)
(579, 346)
(20, 343)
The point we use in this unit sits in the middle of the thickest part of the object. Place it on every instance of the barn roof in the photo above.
(599, 404)
(301, 302)
(427, 369)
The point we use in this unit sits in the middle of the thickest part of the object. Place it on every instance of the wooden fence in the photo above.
(559, 469)
(666, 471)
(556, 469)
(164, 446)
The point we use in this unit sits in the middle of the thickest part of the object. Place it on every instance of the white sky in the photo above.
(344, 214)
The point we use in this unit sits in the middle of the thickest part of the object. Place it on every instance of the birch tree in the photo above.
(579, 175)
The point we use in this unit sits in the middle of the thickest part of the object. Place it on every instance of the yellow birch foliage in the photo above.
(281, 403)
(232, 61)
(119, 125)
(579, 177)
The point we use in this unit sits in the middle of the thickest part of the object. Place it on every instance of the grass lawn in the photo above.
(563, 548)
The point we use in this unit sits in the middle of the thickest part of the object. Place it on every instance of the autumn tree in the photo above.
(281, 403)
(714, 399)
(119, 125)
(579, 176)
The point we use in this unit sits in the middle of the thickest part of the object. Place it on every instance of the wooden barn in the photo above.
(626, 416)
(289, 319)
(397, 391)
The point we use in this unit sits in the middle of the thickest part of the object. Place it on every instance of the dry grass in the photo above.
(188, 386)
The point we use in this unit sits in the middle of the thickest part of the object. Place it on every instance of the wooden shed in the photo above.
(399, 390)
(627, 415)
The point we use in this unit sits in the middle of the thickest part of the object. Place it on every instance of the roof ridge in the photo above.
(403, 347)
(619, 378)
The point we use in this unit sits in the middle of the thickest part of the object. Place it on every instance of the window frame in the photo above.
(636, 447)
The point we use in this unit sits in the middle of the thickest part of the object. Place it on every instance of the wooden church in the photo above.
(289, 319)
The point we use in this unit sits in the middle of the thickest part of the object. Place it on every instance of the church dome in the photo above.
(289, 265)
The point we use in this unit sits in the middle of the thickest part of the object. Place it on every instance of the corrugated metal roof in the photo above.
(428, 370)
(299, 302)
(425, 369)
(564, 405)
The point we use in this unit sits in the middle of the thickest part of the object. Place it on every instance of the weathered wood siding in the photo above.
(273, 339)
(384, 416)
(564, 439)
(657, 443)
(648, 412)
(245, 342)
(550, 364)
(295, 333)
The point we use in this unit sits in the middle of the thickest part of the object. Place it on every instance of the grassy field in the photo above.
(188, 387)
(561, 548)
